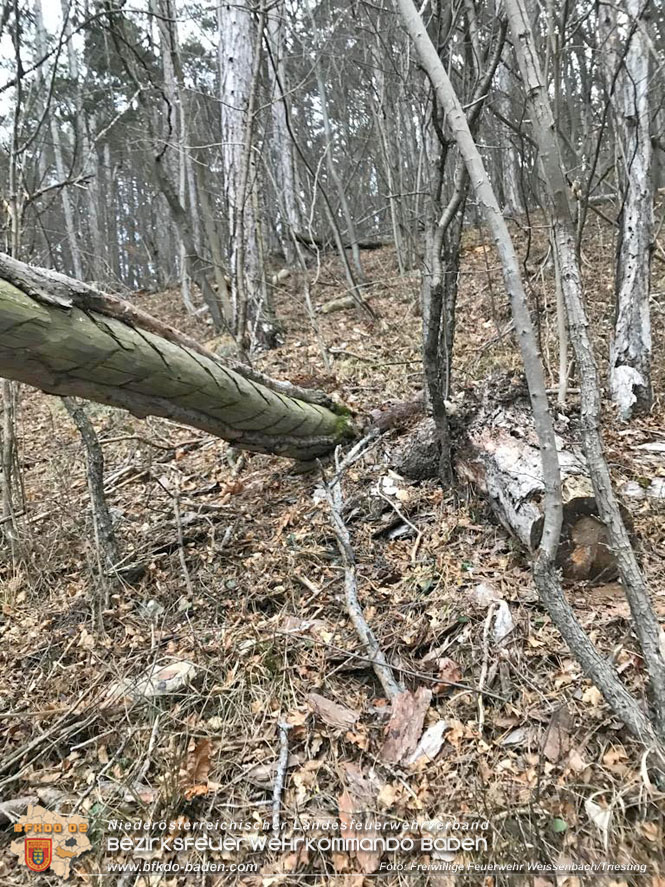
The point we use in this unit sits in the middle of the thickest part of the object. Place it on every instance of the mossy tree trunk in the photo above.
(67, 338)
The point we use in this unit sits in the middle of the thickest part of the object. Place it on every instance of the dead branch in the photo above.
(282, 764)
(382, 669)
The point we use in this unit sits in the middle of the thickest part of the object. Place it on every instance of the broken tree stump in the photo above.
(497, 452)
(501, 458)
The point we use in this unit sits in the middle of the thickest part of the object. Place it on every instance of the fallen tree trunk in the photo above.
(502, 460)
(340, 304)
(67, 338)
(313, 242)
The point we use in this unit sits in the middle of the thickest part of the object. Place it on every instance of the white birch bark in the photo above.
(630, 355)
(236, 66)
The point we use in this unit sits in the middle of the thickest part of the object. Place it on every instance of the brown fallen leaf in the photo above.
(231, 489)
(291, 861)
(195, 781)
(355, 805)
(576, 762)
(449, 673)
(557, 736)
(332, 713)
(363, 786)
(406, 724)
(387, 796)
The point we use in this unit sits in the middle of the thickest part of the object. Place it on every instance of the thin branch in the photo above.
(282, 764)
(382, 668)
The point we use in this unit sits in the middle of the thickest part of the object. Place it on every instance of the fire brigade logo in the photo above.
(46, 840)
(38, 853)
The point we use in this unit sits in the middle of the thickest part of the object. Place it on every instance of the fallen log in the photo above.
(337, 305)
(319, 243)
(498, 455)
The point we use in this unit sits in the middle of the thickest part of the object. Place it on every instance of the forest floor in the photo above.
(242, 592)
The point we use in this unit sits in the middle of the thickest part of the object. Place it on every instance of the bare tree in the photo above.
(644, 619)
(630, 356)
(239, 61)
(282, 143)
(545, 576)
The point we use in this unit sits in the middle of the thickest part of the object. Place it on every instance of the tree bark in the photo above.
(630, 355)
(69, 339)
(510, 164)
(238, 71)
(500, 457)
(289, 207)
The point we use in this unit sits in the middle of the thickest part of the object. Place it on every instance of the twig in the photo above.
(421, 675)
(282, 764)
(355, 453)
(382, 669)
(419, 535)
(30, 747)
(483, 670)
(226, 538)
(145, 766)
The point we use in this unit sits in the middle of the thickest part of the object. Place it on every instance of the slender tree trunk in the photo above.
(630, 355)
(545, 576)
(281, 141)
(67, 207)
(213, 238)
(644, 618)
(380, 112)
(334, 175)
(175, 94)
(330, 159)
(440, 286)
(108, 554)
(510, 163)
(109, 187)
(238, 56)
(97, 261)
(8, 463)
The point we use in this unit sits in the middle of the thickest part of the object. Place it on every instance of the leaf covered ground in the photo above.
(232, 597)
